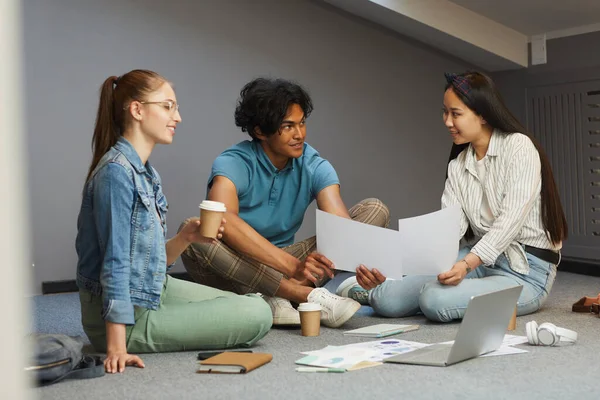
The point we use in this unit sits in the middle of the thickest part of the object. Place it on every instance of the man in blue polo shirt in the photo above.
(267, 184)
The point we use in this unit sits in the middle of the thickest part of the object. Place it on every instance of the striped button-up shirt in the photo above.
(512, 185)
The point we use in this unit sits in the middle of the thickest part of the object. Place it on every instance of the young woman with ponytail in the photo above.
(128, 302)
(512, 218)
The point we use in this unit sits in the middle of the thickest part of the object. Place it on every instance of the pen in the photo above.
(316, 369)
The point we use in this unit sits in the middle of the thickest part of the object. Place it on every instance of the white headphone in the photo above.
(548, 334)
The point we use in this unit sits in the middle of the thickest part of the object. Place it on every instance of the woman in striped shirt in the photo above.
(512, 220)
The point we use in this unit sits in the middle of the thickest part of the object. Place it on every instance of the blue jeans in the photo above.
(424, 294)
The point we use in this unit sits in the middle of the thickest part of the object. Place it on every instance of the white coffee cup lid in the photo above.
(212, 206)
(309, 307)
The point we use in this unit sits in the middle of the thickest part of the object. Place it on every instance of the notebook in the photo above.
(381, 330)
(233, 363)
(481, 331)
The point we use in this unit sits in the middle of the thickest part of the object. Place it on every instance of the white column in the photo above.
(14, 223)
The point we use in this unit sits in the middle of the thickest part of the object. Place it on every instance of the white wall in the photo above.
(377, 100)
(13, 210)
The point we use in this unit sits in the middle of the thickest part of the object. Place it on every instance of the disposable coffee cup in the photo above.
(310, 318)
(512, 325)
(211, 215)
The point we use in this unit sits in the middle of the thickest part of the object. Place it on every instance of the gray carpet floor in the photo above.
(565, 372)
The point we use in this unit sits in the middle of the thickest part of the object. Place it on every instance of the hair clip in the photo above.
(460, 83)
(116, 81)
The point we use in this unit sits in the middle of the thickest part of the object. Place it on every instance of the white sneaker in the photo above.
(335, 310)
(345, 286)
(351, 289)
(283, 312)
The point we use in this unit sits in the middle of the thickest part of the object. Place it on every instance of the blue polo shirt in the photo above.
(273, 201)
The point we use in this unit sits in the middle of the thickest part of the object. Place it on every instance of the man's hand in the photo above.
(369, 279)
(315, 267)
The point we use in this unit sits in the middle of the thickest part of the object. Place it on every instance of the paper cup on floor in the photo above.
(211, 214)
(310, 319)
(512, 325)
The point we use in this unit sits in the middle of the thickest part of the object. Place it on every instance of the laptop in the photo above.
(481, 331)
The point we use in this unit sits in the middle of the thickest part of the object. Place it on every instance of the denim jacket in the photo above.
(121, 231)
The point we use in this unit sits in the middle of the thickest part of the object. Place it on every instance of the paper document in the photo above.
(351, 355)
(513, 340)
(429, 243)
(349, 243)
(424, 245)
(506, 346)
(504, 350)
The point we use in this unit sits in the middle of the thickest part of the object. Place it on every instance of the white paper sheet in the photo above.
(513, 340)
(349, 355)
(424, 245)
(506, 346)
(504, 350)
(429, 243)
(349, 243)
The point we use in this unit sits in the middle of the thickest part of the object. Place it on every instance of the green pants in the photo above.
(190, 317)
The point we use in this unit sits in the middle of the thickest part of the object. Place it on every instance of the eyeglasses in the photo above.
(168, 105)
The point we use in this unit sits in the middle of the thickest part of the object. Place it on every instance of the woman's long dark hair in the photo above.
(484, 99)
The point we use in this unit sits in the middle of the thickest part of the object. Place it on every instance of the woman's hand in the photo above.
(369, 279)
(460, 270)
(455, 275)
(116, 353)
(191, 231)
(116, 361)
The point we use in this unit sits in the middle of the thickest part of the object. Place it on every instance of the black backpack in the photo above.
(56, 357)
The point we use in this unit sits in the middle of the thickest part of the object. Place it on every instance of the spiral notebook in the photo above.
(381, 330)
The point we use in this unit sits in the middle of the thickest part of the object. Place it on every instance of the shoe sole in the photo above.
(345, 287)
(345, 315)
(289, 321)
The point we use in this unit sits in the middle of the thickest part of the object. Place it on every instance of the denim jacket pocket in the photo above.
(143, 214)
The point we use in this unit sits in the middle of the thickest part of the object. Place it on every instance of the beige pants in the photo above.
(219, 266)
